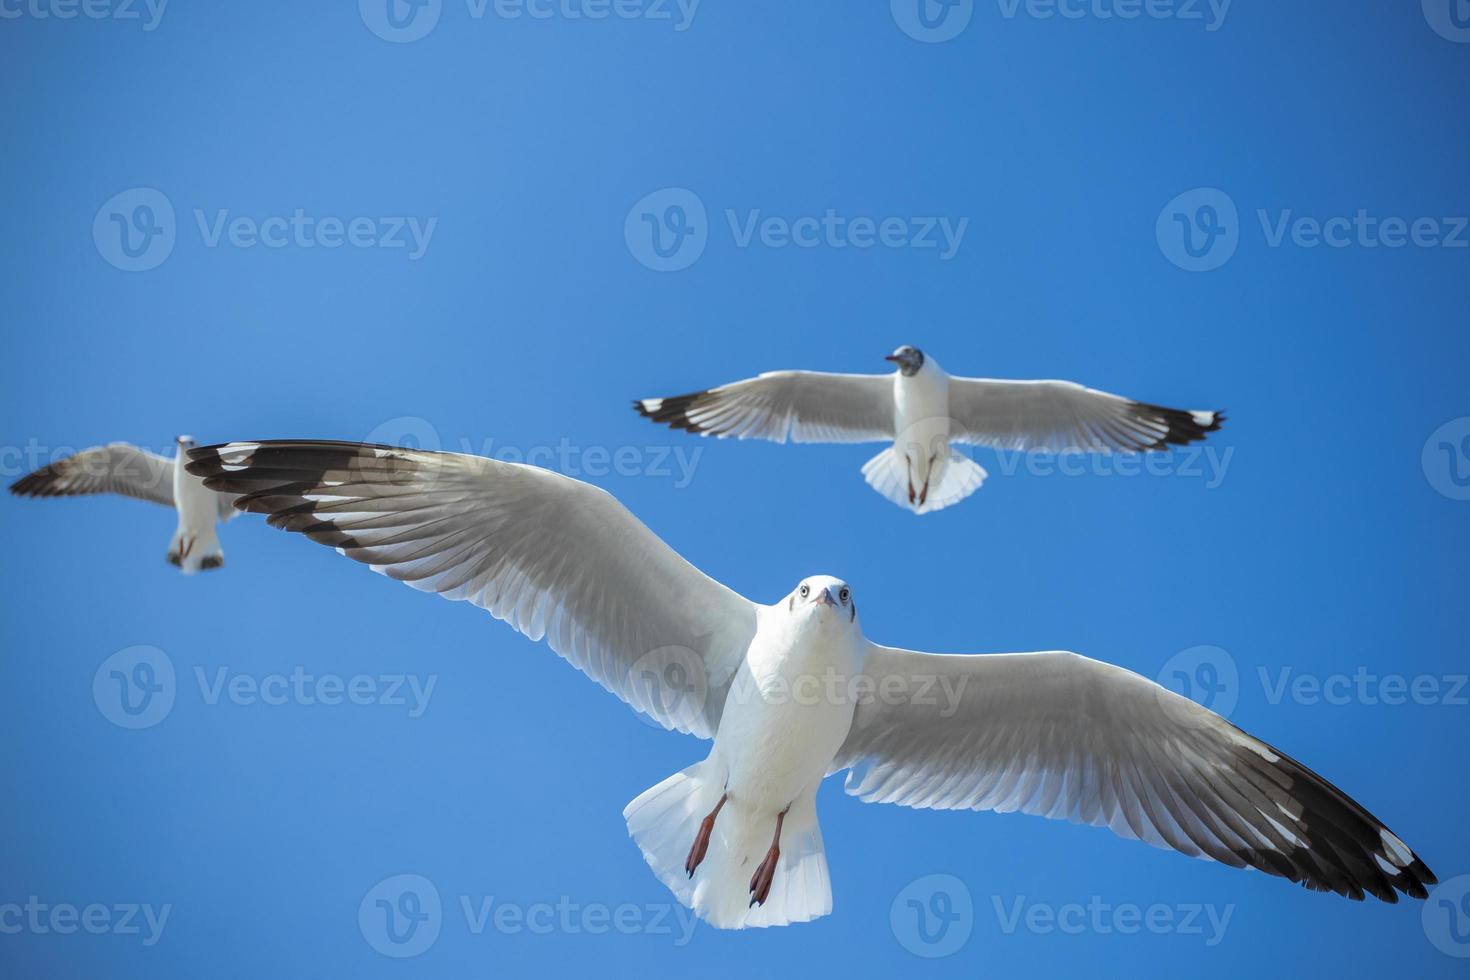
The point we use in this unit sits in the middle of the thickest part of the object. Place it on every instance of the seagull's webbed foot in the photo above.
(760, 882)
(910, 471)
(701, 838)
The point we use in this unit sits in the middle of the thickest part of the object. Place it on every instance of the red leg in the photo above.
(760, 882)
(701, 838)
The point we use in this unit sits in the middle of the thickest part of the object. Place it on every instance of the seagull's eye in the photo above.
(804, 591)
(843, 595)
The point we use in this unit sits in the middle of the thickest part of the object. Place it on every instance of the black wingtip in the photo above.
(673, 411)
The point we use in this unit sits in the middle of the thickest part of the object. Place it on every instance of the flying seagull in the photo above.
(793, 691)
(923, 411)
(133, 472)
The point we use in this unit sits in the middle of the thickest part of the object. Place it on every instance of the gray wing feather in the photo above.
(1064, 737)
(555, 558)
(800, 406)
(115, 468)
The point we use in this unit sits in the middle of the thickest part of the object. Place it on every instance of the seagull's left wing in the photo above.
(1062, 416)
(803, 406)
(1061, 736)
(551, 556)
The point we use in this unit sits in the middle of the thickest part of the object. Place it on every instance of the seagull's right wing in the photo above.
(551, 556)
(115, 468)
(803, 406)
(1065, 737)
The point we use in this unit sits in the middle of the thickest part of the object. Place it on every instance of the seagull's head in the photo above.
(823, 596)
(908, 358)
(185, 443)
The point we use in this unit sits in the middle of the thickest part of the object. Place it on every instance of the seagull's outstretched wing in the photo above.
(1061, 736)
(115, 468)
(1061, 416)
(549, 555)
(803, 406)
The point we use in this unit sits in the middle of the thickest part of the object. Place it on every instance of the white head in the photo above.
(823, 599)
(185, 443)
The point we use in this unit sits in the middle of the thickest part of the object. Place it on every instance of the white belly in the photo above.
(198, 506)
(786, 716)
(922, 423)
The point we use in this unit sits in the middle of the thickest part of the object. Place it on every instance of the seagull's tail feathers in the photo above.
(193, 551)
(663, 822)
(888, 473)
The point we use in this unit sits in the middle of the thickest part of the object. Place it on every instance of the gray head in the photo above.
(908, 358)
(821, 594)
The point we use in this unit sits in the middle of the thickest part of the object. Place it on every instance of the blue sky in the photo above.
(335, 230)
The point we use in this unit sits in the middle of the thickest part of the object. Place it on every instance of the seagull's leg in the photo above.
(909, 470)
(924, 494)
(760, 882)
(701, 838)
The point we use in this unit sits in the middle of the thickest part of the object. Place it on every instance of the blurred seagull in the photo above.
(923, 410)
(133, 472)
(793, 691)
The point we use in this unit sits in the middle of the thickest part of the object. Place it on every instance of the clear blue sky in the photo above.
(530, 317)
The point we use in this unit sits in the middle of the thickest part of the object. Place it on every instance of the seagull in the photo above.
(793, 691)
(126, 469)
(923, 411)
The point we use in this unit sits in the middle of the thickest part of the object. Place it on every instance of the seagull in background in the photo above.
(792, 690)
(126, 469)
(923, 411)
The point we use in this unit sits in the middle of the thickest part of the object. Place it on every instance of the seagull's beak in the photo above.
(825, 599)
(892, 357)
